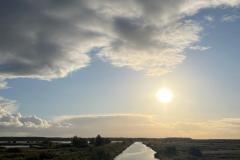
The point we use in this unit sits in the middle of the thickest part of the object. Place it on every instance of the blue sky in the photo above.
(205, 83)
(214, 73)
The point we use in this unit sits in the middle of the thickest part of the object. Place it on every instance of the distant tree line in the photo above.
(84, 142)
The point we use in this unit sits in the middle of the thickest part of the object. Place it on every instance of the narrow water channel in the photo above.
(137, 151)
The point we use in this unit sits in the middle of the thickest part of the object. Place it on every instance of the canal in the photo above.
(137, 151)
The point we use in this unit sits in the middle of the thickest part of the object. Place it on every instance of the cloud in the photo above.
(137, 125)
(9, 118)
(3, 84)
(116, 125)
(50, 38)
(19, 121)
(40, 41)
(7, 105)
(199, 48)
(230, 18)
(157, 52)
(209, 18)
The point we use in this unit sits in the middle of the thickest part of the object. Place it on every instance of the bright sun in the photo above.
(164, 95)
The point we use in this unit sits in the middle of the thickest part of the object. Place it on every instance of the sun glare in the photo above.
(164, 95)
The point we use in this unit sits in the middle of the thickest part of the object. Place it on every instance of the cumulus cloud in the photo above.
(50, 38)
(230, 18)
(10, 118)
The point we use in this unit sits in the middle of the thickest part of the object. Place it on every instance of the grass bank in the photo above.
(189, 149)
(61, 152)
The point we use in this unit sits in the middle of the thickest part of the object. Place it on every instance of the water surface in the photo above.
(137, 151)
(15, 146)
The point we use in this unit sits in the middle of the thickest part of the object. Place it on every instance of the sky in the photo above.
(88, 67)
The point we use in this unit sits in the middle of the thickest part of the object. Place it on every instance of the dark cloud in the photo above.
(38, 42)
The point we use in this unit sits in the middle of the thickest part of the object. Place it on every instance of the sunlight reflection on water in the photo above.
(137, 151)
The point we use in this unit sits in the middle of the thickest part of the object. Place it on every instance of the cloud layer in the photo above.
(116, 125)
(13, 123)
(50, 38)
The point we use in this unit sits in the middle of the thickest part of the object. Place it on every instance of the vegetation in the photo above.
(189, 149)
(195, 152)
(170, 151)
(79, 149)
(79, 142)
(100, 148)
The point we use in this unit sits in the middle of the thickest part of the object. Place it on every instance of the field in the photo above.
(64, 152)
(189, 149)
(166, 149)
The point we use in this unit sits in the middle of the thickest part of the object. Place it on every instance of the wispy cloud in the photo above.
(230, 18)
(199, 48)
(3, 84)
(209, 18)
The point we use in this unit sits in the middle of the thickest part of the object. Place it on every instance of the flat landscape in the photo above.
(109, 148)
(76, 150)
(190, 149)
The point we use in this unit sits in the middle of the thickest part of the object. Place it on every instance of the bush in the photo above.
(157, 154)
(79, 142)
(170, 151)
(100, 155)
(40, 156)
(101, 141)
(14, 150)
(46, 155)
(32, 157)
(48, 144)
(195, 152)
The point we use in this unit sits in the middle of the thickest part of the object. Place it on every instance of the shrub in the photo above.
(48, 144)
(101, 141)
(195, 152)
(32, 157)
(40, 156)
(170, 151)
(100, 155)
(79, 142)
(157, 154)
(46, 155)
(14, 150)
